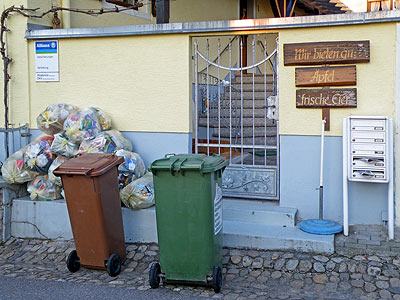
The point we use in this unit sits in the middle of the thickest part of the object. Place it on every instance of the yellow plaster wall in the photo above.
(264, 9)
(204, 10)
(43, 5)
(110, 19)
(18, 97)
(141, 81)
(180, 11)
(375, 80)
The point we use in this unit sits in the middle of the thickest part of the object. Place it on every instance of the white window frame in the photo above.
(140, 14)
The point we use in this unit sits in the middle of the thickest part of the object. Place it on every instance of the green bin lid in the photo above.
(186, 162)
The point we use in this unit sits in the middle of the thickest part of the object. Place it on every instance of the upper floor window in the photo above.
(143, 12)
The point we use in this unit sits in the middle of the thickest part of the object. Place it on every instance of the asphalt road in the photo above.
(30, 289)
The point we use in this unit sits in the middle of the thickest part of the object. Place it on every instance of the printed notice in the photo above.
(46, 61)
(217, 210)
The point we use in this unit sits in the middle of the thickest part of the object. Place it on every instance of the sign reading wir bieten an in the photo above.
(326, 53)
(326, 98)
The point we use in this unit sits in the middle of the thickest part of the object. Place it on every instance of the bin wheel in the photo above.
(154, 275)
(73, 261)
(113, 265)
(217, 279)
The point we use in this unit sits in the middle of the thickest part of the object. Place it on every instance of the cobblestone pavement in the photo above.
(248, 274)
(368, 239)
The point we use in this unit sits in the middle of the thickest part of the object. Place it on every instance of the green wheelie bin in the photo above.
(188, 200)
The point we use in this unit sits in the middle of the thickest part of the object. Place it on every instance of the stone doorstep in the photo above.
(259, 212)
(261, 236)
(51, 217)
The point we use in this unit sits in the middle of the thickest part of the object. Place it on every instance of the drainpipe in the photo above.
(66, 15)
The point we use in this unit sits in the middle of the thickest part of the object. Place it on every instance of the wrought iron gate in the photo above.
(235, 115)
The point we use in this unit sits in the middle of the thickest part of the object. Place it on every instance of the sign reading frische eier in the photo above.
(340, 52)
(325, 98)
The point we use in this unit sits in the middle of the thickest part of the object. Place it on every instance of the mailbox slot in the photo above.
(370, 149)
(368, 137)
(368, 125)
(368, 162)
(369, 175)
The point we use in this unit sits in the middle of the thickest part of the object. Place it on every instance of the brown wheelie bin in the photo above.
(90, 184)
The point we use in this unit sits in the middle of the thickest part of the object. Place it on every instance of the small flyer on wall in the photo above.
(46, 61)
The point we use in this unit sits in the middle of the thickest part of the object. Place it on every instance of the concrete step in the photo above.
(49, 219)
(247, 122)
(247, 131)
(258, 212)
(259, 104)
(272, 237)
(259, 112)
(258, 87)
(247, 94)
(271, 141)
(248, 78)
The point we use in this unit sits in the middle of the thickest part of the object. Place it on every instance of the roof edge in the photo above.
(220, 26)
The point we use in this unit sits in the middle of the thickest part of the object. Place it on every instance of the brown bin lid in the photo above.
(91, 164)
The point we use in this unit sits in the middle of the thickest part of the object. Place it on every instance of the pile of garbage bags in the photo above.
(68, 131)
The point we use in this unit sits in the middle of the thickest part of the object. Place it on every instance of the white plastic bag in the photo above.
(37, 155)
(15, 170)
(139, 193)
(82, 124)
(41, 188)
(132, 168)
(105, 142)
(63, 146)
(51, 120)
(105, 120)
(56, 163)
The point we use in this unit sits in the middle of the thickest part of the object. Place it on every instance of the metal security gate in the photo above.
(235, 111)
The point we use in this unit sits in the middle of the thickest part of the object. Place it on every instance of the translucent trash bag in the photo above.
(82, 124)
(139, 193)
(63, 146)
(51, 120)
(41, 188)
(105, 142)
(37, 155)
(132, 168)
(15, 170)
(56, 163)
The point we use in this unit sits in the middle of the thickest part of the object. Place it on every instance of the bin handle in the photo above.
(169, 155)
(200, 167)
(180, 167)
(75, 172)
(171, 166)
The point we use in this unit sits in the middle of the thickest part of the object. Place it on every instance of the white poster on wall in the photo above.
(46, 61)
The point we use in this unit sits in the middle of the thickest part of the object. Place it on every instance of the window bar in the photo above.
(241, 98)
(253, 46)
(219, 97)
(208, 101)
(196, 98)
(265, 102)
(230, 101)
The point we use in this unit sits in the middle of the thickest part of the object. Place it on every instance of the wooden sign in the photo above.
(328, 76)
(326, 98)
(326, 53)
